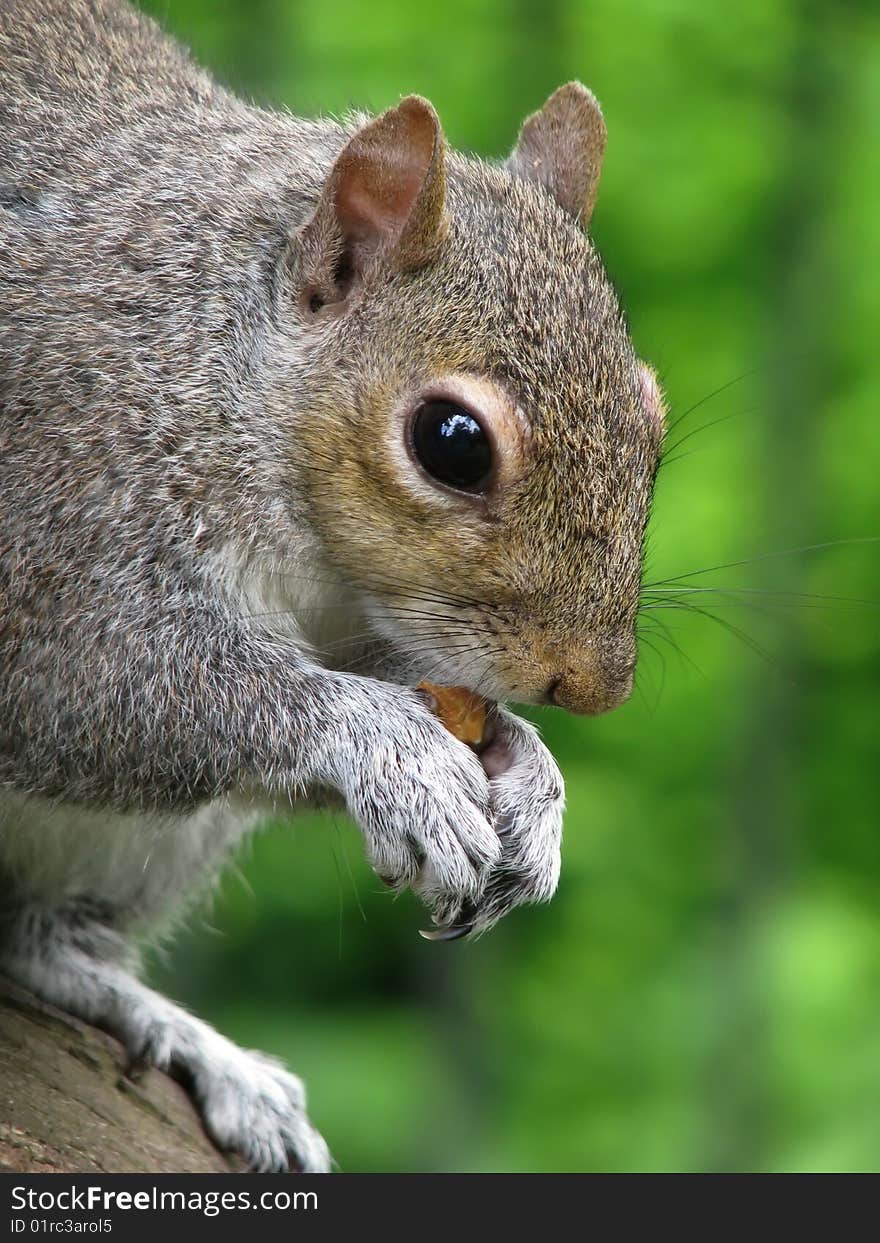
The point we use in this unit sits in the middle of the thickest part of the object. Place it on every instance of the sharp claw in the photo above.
(446, 934)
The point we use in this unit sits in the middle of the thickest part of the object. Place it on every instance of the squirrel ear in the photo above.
(561, 147)
(384, 199)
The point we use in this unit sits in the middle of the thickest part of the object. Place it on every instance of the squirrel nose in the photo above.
(589, 693)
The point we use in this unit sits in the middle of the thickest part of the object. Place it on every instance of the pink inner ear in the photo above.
(652, 398)
(381, 181)
(361, 215)
(376, 198)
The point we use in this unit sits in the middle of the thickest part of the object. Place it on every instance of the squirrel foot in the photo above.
(249, 1104)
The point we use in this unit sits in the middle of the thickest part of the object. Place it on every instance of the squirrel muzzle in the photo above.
(593, 683)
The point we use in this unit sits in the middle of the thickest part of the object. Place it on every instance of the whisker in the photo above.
(767, 556)
(481, 652)
(733, 629)
(386, 580)
(663, 631)
(392, 583)
(763, 604)
(710, 397)
(637, 682)
(704, 427)
(767, 592)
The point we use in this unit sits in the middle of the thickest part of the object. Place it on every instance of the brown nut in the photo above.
(464, 714)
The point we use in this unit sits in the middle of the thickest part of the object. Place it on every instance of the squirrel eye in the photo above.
(451, 445)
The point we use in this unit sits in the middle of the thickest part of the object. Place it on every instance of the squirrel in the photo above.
(293, 414)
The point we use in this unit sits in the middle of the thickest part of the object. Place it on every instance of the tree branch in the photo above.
(66, 1105)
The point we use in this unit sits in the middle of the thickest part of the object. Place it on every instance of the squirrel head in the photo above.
(476, 439)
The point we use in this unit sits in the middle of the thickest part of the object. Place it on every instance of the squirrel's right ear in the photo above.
(561, 147)
(383, 200)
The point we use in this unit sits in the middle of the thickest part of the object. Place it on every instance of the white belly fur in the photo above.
(143, 865)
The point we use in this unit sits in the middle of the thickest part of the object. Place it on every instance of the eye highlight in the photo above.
(451, 445)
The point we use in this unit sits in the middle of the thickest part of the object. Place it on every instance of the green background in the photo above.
(704, 991)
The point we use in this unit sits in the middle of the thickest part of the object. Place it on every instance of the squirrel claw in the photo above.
(446, 934)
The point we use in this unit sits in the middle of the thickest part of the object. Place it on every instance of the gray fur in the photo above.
(212, 598)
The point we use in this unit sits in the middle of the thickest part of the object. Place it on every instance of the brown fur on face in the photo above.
(531, 592)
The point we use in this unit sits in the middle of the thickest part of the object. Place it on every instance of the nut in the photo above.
(464, 714)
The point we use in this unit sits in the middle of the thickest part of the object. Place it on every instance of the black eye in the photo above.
(451, 445)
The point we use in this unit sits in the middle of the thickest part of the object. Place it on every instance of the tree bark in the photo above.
(67, 1105)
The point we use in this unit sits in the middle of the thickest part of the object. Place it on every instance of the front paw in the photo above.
(422, 800)
(528, 800)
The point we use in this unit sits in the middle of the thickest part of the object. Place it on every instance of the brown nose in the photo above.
(589, 694)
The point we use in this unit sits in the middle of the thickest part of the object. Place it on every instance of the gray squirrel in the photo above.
(293, 414)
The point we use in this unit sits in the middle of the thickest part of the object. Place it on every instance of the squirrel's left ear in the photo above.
(561, 146)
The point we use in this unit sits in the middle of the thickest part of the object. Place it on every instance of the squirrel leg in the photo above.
(72, 957)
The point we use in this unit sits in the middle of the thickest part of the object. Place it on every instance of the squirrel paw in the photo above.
(256, 1108)
(421, 799)
(528, 799)
(249, 1103)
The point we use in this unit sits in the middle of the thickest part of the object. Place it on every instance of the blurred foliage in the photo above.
(704, 992)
